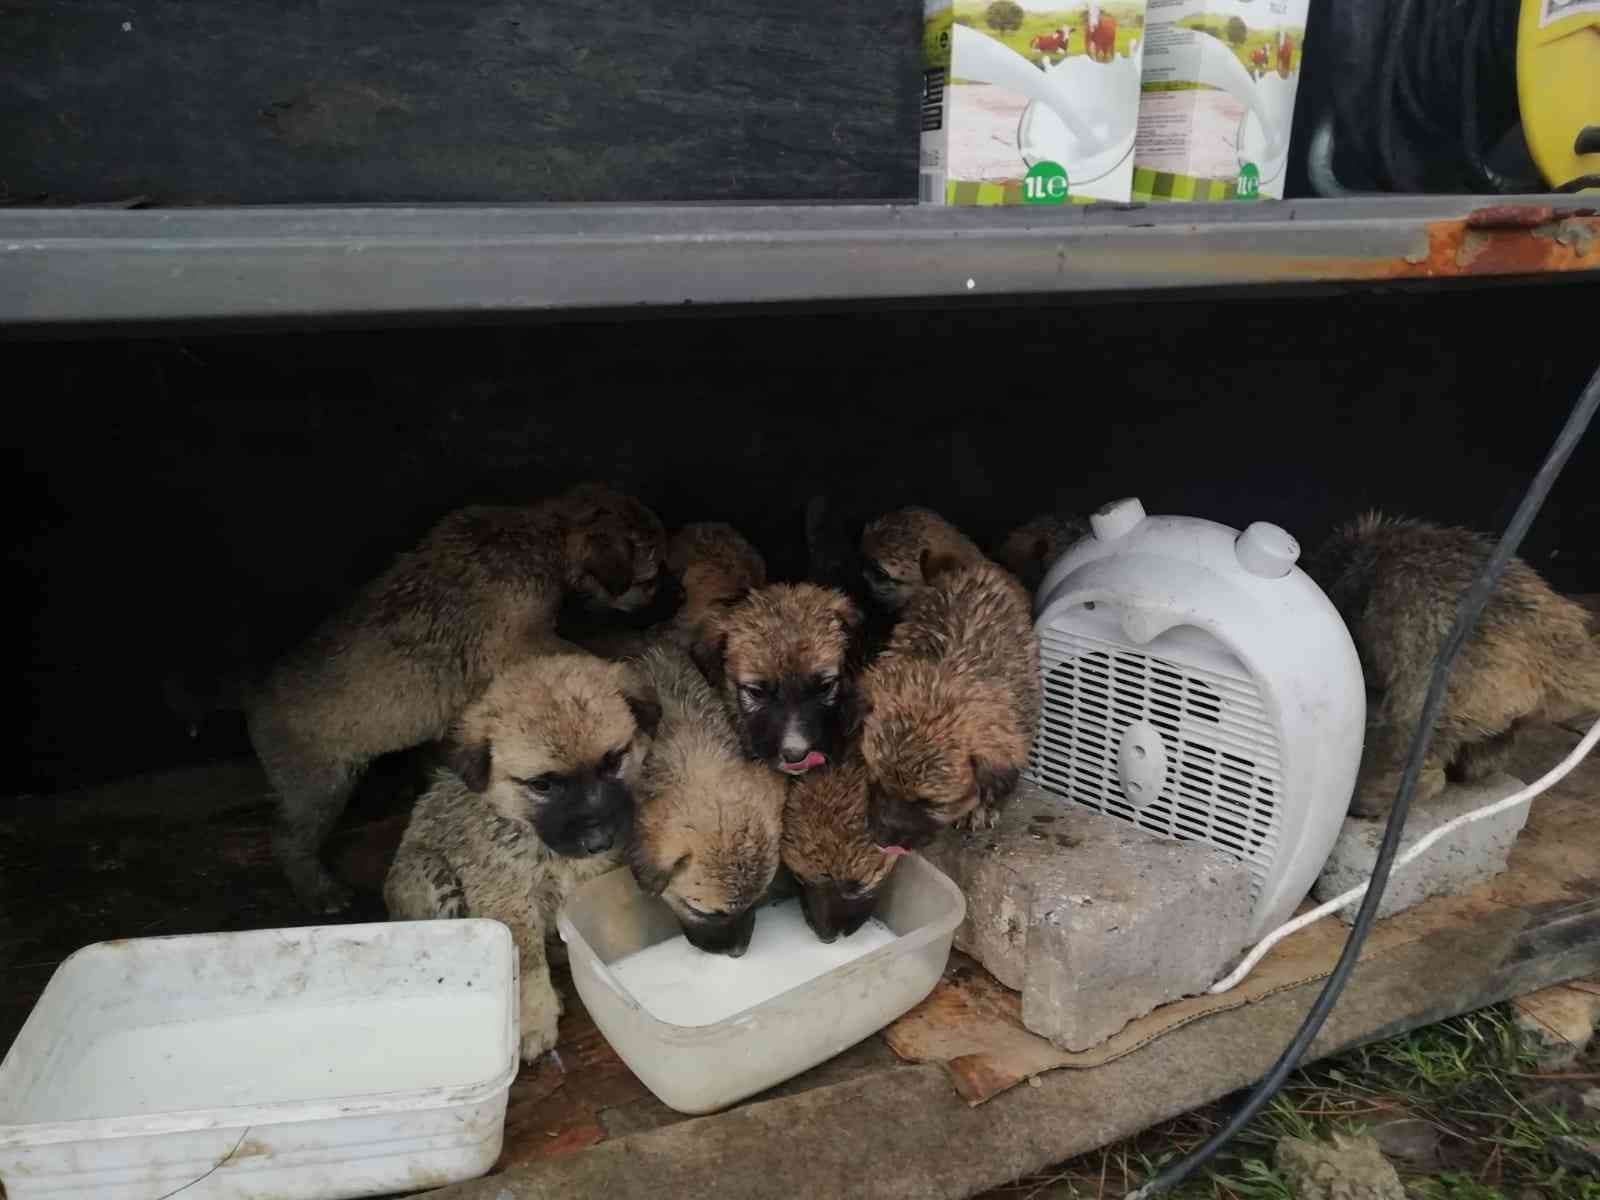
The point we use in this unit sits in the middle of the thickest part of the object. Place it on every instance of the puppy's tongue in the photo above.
(814, 759)
(894, 851)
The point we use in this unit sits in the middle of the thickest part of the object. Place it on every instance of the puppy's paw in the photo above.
(979, 819)
(540, 1014)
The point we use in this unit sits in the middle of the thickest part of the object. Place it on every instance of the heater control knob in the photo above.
(1117, 519)
(1266, 550)
(1142, 763)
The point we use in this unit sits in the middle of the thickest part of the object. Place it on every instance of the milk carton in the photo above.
(1029, 101)
(1218, 98)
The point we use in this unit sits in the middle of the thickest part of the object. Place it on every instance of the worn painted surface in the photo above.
(65, 268)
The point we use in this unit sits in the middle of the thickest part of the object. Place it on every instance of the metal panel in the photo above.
(69, 266)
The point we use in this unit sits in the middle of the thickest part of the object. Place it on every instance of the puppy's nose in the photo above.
(595, 840)
(792, 754)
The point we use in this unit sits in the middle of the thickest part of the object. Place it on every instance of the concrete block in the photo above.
(1460, 862)
(1094, 921)
(1345, 1168)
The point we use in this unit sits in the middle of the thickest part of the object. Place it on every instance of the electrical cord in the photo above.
(1466, 617)
(1443, 65)
(1543, 784)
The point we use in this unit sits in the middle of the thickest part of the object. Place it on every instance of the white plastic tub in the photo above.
(332, 1061)
(700, 1069)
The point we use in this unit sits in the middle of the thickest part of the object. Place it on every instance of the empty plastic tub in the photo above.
(701, 1068)
(330, 1061)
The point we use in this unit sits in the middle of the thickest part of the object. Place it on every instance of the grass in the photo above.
(1468, 1079)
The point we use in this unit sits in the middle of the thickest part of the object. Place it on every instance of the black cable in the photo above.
(1466, 617)
(1443, 66)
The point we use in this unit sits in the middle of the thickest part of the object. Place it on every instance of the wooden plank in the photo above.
(332, 101)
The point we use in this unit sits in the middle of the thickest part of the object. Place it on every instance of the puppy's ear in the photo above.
(851, 622)
(470, 760)
(610, 561)
(995, 782)
(653, 879)
(643, 702)
(710, 653)
(934, 565)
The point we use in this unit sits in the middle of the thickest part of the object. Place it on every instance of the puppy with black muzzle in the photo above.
(783, 659)
(950, 708)
(829, 850)
(897, 547)
(1532, 655)
(539, 799)
(394, 668)
(710, 822)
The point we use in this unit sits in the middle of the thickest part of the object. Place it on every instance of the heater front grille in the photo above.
(1223, 784)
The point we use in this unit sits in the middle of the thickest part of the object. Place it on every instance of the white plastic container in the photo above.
(1199, 685)
(700, 1069)
(331, 1061)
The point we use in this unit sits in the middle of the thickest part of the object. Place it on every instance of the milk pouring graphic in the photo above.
(1029, 103)
(1218, 98)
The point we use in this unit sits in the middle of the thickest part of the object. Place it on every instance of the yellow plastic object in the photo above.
(1558, 87)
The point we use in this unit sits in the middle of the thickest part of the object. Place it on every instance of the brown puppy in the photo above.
(951, 705)
(539, 799)
(394, 668)
(1031, 549)
(709, 566)
(783, 658)
(710, 822)
(828, 848)
(896, 548)
(1397, 583)
(715, 566)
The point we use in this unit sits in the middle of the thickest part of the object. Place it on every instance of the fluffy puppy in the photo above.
(897, 547)
(1397, 583)
(538, 799)
(951, 706)
(783, 659)
(394, 668)
(709, 566)
(715, 565)
(1031, 549)
(710, 822)
(828, 849)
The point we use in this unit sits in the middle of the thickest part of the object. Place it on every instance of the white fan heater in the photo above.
(1199, 685)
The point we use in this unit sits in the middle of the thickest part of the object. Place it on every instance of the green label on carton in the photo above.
(1045, 183)
(1249, 182)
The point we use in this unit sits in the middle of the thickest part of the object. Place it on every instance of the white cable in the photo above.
(1554, 776)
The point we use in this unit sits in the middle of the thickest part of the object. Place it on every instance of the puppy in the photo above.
(783, 659)
(710, 822)
(1031, 549)
(709, 566)
(539, 799)
(394, 668)
(896, 548)
(1397, 583)
(950, 708)
(715, 566)
(828, 849)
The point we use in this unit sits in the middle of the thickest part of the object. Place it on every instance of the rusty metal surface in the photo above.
(72, 267)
